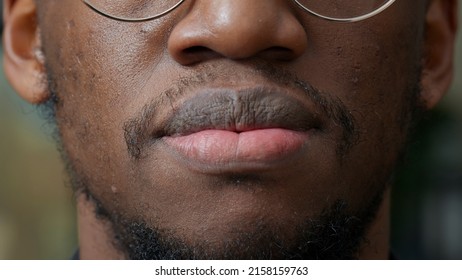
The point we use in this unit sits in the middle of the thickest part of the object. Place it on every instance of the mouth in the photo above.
(221, 129)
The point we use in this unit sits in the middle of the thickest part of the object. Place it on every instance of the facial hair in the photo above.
(335, 233)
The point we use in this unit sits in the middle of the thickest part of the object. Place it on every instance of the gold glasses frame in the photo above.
(179, 2)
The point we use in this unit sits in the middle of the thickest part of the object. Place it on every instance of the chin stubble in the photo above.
(333, 234)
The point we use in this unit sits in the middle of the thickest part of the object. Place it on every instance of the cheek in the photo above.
(376, 78)
(107, 72)
(99, 73)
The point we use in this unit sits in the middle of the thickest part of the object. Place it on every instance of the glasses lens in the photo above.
(133, 9)
(342, 9)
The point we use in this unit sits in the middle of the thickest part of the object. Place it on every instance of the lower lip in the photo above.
(220, 147)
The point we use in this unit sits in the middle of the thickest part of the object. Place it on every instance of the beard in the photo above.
(333, 233)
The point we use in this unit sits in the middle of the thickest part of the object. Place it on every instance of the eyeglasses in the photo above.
(144, 10)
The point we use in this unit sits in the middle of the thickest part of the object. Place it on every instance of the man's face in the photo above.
(235, 129)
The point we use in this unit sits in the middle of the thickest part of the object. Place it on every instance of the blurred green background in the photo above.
(37, 216)
(36, 209)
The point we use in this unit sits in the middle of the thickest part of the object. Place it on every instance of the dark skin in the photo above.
(104, 73)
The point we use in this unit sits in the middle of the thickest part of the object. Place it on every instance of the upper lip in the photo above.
(239, 110)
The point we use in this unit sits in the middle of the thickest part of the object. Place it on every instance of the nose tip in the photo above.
(237, 29)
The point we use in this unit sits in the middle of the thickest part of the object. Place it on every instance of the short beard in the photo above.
(333, 234)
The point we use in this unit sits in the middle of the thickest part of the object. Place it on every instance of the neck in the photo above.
(377, 244)
(96, 240)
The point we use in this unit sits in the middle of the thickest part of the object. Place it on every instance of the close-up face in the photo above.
(233, 129)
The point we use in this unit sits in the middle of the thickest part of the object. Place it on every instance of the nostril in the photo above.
(255, 29)
(278, 53)
(197, 53)
(196, 50)
(194, 54)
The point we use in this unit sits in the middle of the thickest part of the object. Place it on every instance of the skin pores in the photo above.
(358, 81)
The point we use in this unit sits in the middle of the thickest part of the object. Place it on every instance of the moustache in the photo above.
(268, 105)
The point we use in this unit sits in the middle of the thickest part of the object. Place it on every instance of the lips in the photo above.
(220, 147)
(257, 126)
(239, 111)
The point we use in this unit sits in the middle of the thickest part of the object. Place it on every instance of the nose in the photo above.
(237, 29)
